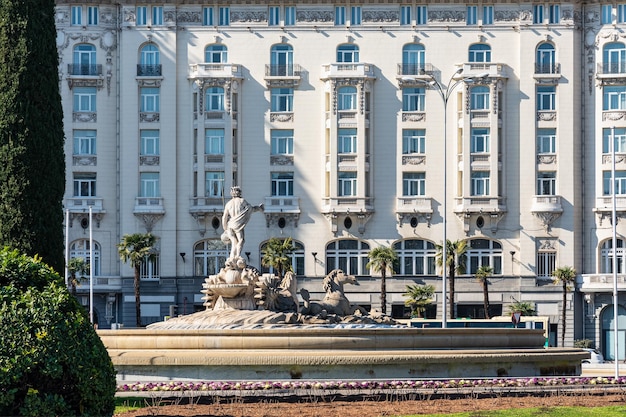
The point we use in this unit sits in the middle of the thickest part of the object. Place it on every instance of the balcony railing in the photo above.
(82, 204)
(274, 70)
(605, 203)
(149, 70)
(547, 68)
(414, 204)
(547, 203)
(283, 204)
(608, 68)
(420, 68)
(100, 284)
(149, 205)
(218, 70)
(350, 69)
(84, 69)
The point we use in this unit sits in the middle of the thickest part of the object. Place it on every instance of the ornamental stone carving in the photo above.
(189, 16)
(414, 117)
(84, 117)
(446, 16)
(506, 15)
(248, 16)
(381, 16)
(413, 159)
(314, 15)
(281, 117)
(613, 116)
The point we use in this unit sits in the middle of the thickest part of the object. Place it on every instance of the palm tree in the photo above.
(484, 272)
(522, 307)
(381, 260)
(137, 249)
(277, 255)
(418, 298)
(455, 254)
(77, 268)
(565, 276)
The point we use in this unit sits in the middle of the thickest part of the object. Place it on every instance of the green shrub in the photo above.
(52, 362)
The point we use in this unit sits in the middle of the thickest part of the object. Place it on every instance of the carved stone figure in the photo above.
(237, 213)
(335, 301)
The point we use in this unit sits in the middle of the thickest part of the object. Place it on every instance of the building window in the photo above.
(614, 97)
(274, 16)
(413, 99)
(282, 99)
(347, 184)
(607, 14)
(281, 60)
(614, 58)
(483, 252)
(84, 184)
(207, 16)
(355, 15)
(142, 15)
(290, 15)
(157, 15)
(619, 183)
(149, 268)
(282, 142)
(479, 98)
(209, 256)
(413, 59)
(607, 253)
(150, 142)
(546, 183)
(537, 14)
(149, 184)
(479, 141)
(471, 18)
(77, 15)
(421, 15)
(347, 53)
(214, 99)
(150, 61)
(546, 141)
(619, 140)
(479, 52)
(214, 142)
(413, 141)
(297, 259)
(84, 99)
(546, 59)
(150, 99)
(92, 15)
(216, 54)
(413, 184)
(621, 13)
(346, 98)
(224, 16)
(416, 257)
(546, 263)
(546, 98)
(348, 255)
(487, 15)
(346, 141)
(282, 184)
(554, 14)
(214, 184)
(340, 15)
(82, 249)
(84, 142)
(405, 15)
(84, 60)
(479, 183)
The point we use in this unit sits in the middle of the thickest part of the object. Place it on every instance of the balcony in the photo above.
(485, 210)
(285, 76)
(84, 69)
(483, 70)
(411, 75)
(547, 72)
(347, 70)
(82, 204)
(345, 210)
(206, 205)
(604, 207)
(601, 282)
(609, 73)
(547, 208)
(214, 70)
(100, 284)
(412, 209)
(149, 205)
(149, 70)
(85, 75)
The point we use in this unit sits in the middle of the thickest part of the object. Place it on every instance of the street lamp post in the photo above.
(444, 91)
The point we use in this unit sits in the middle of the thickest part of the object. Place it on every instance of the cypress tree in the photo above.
(32, 165)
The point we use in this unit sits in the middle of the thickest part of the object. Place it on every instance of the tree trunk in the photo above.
(383, 291)
(137, 297)
(564, 317)
(486, 297)
(451, 281)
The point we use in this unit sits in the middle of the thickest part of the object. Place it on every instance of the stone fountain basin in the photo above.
(228, 290)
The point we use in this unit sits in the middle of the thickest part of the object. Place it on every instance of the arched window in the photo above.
(84, 60)
(348, 53)
(209, 256)
(346, 98)
(484, 252)
(479, 98)
(546, 59)
(214, 99)
(416, 257)
(614, 58)
(149, 61)
(606, 256)
(297, 259)
(413, 59)
(349, 255)
(480, 52)
(216, 54)
(81, 249)
(281, 59)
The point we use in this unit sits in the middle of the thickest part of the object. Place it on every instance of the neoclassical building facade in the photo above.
(356, 124)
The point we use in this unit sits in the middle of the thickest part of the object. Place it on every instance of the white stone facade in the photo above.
(333, 122)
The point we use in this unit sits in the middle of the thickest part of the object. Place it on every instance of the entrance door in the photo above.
(608, 334)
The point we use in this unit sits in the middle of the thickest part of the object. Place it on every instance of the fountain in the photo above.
(254, 328)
